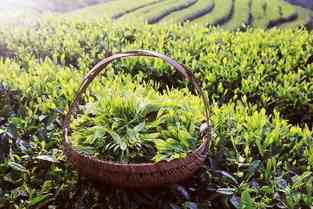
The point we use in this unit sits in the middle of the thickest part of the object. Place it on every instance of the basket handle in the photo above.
(106, 61)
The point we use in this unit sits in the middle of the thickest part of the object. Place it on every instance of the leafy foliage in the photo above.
(277, 74)
(259, 83)
(130, 120)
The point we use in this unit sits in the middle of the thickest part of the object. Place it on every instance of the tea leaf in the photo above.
(46, 158)
(226, 191)
(17, 167)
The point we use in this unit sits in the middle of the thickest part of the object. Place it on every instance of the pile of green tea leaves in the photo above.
(129, 122)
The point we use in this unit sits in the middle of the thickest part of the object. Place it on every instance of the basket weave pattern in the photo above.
(141, 175)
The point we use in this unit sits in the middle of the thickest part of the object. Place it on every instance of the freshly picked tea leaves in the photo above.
(130, 123)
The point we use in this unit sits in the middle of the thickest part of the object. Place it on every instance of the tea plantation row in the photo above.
(230, 14)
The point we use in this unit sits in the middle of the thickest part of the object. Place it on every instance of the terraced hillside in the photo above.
(229, 14)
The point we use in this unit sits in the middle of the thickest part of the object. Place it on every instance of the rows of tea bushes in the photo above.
(220, 11)
(111, 9)
(243, 18)
(154, 13)
(226, 14)
(201, 7)
(272, 10)
(255, 160)
(272, 69)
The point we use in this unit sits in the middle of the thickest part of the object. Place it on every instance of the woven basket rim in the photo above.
(196, 151)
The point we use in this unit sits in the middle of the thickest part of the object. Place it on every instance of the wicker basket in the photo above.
(136, 175)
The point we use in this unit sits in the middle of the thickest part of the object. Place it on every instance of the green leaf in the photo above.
(38, 199)
(184, 138)
(123, 146)
(139, 127)
(99, 132)
(18, 122)
(226, 191)
(42, 117)
(300, 180)
(2, 131)
(17, 167)
(131, 133)
(267, 189)
(151, 136)
(260, 147)
(116, 137)
(46, 158)
(246, 202)
(227, 175)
